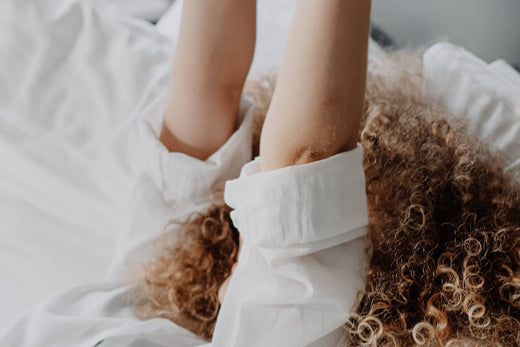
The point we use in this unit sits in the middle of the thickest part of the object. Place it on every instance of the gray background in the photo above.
(488, 28)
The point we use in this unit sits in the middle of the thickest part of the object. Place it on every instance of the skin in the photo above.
(210, 65)
(318, 102)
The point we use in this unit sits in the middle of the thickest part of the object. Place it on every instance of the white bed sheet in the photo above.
(68, 79)
(150, 10)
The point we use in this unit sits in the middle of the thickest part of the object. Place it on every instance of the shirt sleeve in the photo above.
(303, 253)
(173, 185)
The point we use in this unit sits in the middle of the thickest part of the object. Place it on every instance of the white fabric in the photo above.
(69, 81)
(303, 255)
(92, 315)
(274, 19)
(149, 10)
(471, 88)
(503, 69)
(297, 275)
(173, 185)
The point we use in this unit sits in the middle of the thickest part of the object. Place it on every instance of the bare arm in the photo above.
(318, 101)
(210, 65)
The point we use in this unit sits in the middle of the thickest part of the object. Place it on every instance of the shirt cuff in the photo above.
(181, 177)
(301, 204)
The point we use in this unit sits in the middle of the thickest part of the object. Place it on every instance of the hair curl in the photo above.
(444, 229)
(444, 224)
(182, 283)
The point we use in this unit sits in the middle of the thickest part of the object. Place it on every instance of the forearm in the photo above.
(210, 65)
(318, 102)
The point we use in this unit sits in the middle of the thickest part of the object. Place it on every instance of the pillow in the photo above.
(507, 72)
(488, 95)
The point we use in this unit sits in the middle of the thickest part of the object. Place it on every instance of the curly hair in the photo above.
(444, 228)
(444, 224)
(182, 283)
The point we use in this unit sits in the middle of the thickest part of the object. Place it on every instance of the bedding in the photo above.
(487, 95)
(507, 72)
(150, 10)
(72, 79)
(69, 80)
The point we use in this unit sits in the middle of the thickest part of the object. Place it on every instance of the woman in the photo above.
(444, 223)
(444, 216)
(297, 273)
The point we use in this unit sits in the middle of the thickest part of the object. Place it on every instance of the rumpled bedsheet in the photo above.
(70, 79)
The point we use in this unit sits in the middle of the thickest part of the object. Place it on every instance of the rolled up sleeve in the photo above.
(303, 254)
(172, 185)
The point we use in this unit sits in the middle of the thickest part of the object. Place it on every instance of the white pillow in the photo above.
(507, 72)
(488, 95)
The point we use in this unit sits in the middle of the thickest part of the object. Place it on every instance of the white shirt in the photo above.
(298, 272)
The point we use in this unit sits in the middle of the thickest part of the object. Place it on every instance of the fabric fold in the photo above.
(181, 177)
(173, 185)
(303, 254)
(299, 204)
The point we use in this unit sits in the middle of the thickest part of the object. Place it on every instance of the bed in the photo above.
(72, 75)
(150, 10)
(69, 78)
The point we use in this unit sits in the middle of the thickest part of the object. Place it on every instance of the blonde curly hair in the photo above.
(444, 224)
(444, 229)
